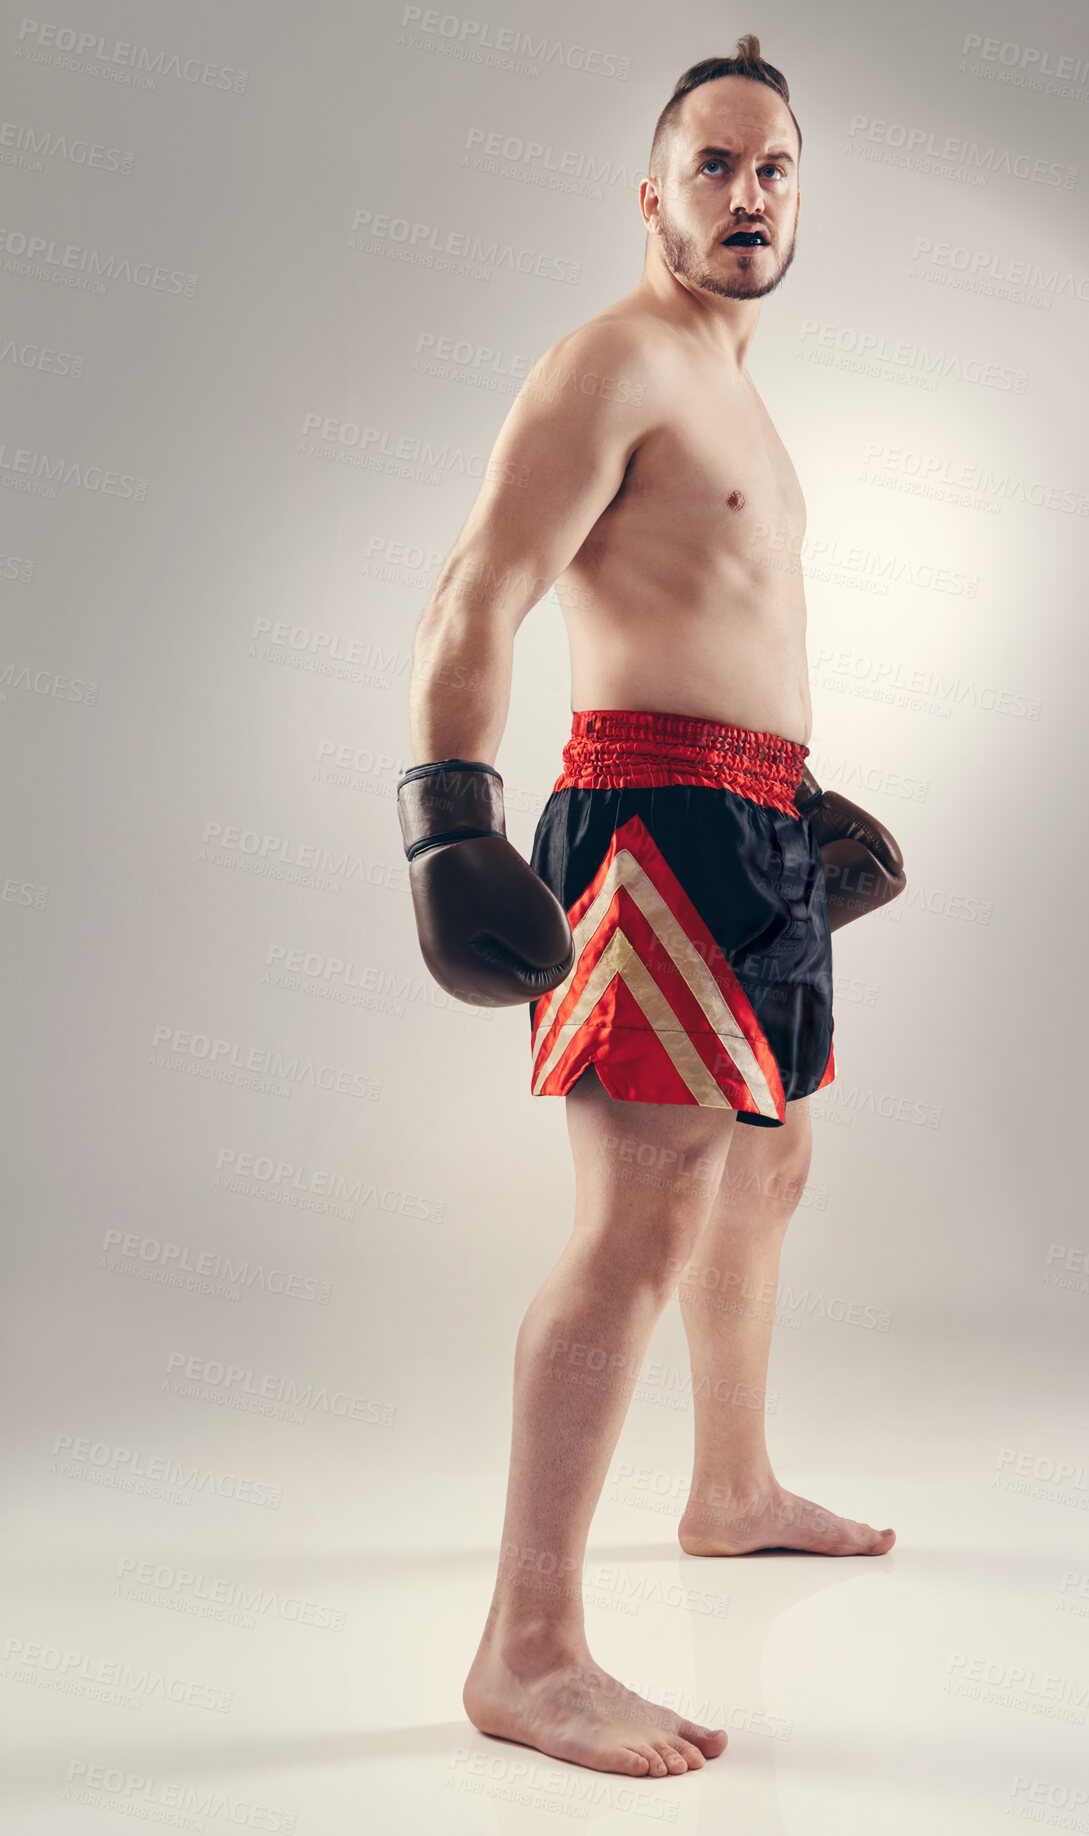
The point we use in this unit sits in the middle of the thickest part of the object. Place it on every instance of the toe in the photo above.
(672, 1755)
(636, 1761)
(841, 1536)
(693, 1756)
(656, 1766)
(710, 1741)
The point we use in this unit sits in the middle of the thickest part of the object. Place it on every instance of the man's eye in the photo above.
(708, 163)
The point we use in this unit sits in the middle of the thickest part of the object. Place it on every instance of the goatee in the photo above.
(686, 261)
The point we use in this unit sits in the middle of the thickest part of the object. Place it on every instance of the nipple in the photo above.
(735, 501)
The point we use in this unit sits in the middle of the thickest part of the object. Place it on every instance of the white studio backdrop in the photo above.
(275, 1205)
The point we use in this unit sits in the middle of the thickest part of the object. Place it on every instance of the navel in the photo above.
(735, 501)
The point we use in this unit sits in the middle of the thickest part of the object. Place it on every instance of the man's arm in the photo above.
(490, 930)
(559, 460)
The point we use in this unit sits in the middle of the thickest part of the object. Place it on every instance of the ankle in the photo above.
(733, 1493)
(529, 1647)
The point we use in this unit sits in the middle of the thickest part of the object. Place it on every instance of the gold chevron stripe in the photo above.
(625, 870)
(621, 957)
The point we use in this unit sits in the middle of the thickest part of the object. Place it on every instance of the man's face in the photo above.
(728, 207)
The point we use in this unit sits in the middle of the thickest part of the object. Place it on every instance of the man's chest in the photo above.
(718, 463)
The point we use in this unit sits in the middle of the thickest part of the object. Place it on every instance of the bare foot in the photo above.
(733, 1523)
(561, 1703)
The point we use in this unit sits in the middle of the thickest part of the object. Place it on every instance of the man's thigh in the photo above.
(641, 1164)
(768, 1167)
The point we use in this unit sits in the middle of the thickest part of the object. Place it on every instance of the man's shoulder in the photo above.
(617, 355)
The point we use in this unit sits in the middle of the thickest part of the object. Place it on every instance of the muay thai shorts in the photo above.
(696, 897)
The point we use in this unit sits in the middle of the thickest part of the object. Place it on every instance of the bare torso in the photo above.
(686, 596)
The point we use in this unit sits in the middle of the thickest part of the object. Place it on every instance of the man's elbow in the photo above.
(483, 596)
(458, 628)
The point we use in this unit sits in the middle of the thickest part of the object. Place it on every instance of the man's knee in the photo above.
(769, 1175)
(670, 1243)
(642, 1248)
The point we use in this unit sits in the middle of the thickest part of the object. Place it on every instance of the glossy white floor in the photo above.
(217, 1666)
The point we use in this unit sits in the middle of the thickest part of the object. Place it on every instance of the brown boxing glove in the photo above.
(863, 867)
(491, 932)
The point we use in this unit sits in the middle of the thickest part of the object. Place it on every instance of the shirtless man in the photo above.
(672, 937)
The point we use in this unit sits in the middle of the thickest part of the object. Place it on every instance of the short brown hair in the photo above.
(747, 63)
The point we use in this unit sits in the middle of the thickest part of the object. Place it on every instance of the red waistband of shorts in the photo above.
(613, 748)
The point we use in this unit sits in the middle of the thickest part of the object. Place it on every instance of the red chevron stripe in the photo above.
(624, 914)
(635, 836)
(627, 1054)
(632, 1053)
(691, 1016)
(592, 949)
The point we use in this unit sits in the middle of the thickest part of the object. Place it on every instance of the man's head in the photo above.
(722, 190)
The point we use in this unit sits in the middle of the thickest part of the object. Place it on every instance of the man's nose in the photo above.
(745, 194)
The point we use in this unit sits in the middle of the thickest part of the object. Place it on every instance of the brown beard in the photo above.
(685, 261)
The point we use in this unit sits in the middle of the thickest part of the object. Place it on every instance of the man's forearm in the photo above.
(461, 679)
(490, 930)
